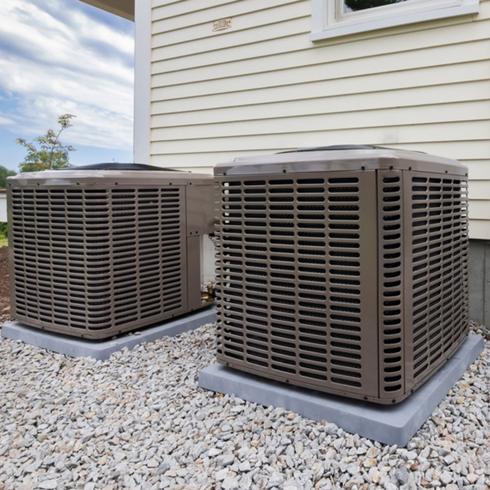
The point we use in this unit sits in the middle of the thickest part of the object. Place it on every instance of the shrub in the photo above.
(3, 234)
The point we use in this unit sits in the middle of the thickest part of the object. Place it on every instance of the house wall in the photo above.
(262, 85)
(3, 207)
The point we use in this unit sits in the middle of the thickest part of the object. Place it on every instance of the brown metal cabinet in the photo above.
(342, 269)
(104, 249)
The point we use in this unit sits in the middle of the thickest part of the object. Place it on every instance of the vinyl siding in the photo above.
(263, 86)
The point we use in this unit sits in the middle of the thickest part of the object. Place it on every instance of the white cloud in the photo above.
(5, 121)
(70, 63)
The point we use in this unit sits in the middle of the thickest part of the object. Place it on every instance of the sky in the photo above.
(63, 56)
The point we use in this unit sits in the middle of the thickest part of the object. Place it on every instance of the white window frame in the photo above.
(142, 82)
(329, 19)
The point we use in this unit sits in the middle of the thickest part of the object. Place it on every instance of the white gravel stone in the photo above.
(139, 420)
(229, 483)
(244, 467)
(48, 484)
(221, 474)
(275, 480)
(225, 459)
(446, 477)
(401, 475)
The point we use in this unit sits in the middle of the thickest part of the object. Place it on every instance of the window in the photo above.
(332, 18)
(356, 5)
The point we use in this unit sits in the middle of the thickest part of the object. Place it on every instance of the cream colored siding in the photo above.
(263, 86)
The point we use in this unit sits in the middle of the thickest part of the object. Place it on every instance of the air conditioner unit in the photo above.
(104, 249)
(342, 269)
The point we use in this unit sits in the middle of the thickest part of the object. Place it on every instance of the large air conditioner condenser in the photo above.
(342, 269)
(103, 249)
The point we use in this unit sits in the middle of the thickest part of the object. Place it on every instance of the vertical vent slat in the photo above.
(344, 278)
(391, 326)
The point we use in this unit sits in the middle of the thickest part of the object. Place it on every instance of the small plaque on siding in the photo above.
(222, 24)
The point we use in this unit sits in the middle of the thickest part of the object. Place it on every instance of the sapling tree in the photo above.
(47, 152)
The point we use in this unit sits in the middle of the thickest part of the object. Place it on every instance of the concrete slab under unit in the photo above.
(102, 350)
(394, 424)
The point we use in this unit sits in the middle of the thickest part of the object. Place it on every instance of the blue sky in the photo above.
(62, 56)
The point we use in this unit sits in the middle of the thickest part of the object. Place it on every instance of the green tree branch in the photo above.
(47, 152)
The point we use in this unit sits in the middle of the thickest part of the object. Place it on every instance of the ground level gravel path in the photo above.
(140, 421)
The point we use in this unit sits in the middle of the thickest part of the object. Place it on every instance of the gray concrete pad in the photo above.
(394, 424)
(102, 350)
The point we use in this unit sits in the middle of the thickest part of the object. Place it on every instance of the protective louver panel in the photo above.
(348, 278)
(93, 261)
(438, 275)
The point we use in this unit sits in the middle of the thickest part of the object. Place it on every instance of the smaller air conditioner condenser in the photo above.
(108, 248)
(342, 269)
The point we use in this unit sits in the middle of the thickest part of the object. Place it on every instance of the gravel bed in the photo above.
(140, 421)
